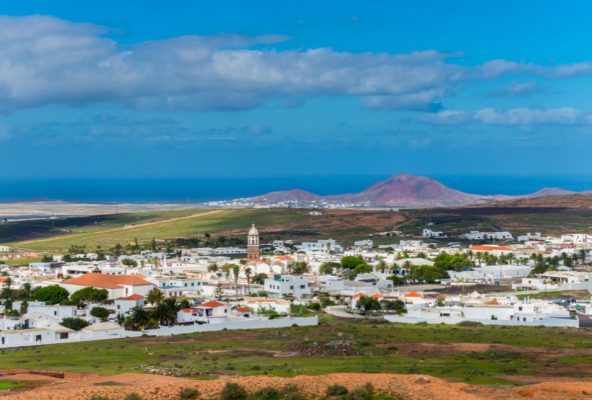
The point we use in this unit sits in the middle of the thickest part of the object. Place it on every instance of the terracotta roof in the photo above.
(284, 258)
(212, 304)
(105, 281)
(188, 310)
(489, 248)
(412, 294)
(134, 296)
(358, 295)
(377, 296)
(493, 302)
(2, 280)
(243, 309)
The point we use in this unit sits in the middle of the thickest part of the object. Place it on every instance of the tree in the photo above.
(248, 274)
(362, 268)
(219, 293)
(100, 312)
(381, 265)
(166, 311)
(299, 267)
(350, 262)
(129, 262)
(259, 279)
(154, 296)
(329, 268)
(397, 306)
(367, 303)
(53, 294)
(26, 290)
(24, 307)
(235, 273)
(89, 295)
(47, 258)
(213, 268)
(74, 323)
(139, 319)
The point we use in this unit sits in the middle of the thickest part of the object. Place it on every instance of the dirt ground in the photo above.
(413, 387)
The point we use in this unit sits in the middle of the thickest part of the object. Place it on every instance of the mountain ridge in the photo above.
(401, 190)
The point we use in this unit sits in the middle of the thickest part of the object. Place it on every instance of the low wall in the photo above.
(287, 322)
(234, 325)
(555, 322)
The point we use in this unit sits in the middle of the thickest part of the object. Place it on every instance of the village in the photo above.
(489, 278)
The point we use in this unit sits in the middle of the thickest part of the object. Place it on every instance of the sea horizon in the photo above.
(197, 190)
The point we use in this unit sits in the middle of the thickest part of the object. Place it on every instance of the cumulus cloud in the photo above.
(45, 60)
(511, 117)
(518, 89)
(496, 68)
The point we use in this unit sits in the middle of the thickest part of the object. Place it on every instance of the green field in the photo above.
(334, 346)
(106, 231)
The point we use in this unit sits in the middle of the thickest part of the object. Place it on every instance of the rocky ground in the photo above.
(413, 387)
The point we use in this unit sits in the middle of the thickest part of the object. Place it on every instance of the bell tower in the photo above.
(253, 245)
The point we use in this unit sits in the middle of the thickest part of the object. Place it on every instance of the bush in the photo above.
(188, 394)
(100, 312)
(132, 396)
(233, 391)
(97, 397)
(336, 390)
(74, 323)
(266, 393)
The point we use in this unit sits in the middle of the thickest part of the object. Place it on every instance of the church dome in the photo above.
(253, 230)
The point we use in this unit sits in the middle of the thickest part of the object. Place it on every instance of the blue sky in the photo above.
(278, 88)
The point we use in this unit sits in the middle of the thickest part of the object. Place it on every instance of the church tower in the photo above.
(253, 245)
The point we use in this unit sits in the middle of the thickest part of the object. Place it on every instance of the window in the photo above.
(63, 335)
(37, 338)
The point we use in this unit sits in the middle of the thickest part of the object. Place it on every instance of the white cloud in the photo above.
(46, 60)
(518, 89)
(511, 117)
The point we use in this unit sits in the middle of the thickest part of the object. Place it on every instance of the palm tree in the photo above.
(154, 296)
(235, 273)
(156, 261)
(381, 265)
(213, 268)
(27, 290)
(226, 268)
(167, 310)
(248, 273)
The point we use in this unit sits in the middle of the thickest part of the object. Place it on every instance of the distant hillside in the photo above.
(546, 192)
(298, 195)
(577, 200)
(409, 190)
(400, 191)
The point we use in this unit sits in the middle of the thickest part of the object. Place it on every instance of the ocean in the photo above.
(191, 190)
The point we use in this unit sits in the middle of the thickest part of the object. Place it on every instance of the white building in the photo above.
(476, 235)
(556, 281)
(116, 285)
(428, 233)
(287, 285)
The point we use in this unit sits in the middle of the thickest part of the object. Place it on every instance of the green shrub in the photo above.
(336, 390)
(132, 396)
(266, 393)
(188, 394)
(233, 391)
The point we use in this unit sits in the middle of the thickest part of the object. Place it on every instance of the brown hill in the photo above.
(578, 200)
(404, 191)
(409, 190)
(298, 195)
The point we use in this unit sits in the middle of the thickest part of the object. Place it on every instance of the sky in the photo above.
(100, 89)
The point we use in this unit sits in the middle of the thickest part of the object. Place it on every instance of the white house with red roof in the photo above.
(116, 285)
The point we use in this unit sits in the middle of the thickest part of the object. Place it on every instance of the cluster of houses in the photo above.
(223, 289)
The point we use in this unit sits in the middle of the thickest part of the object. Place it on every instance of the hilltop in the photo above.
(400, 190)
